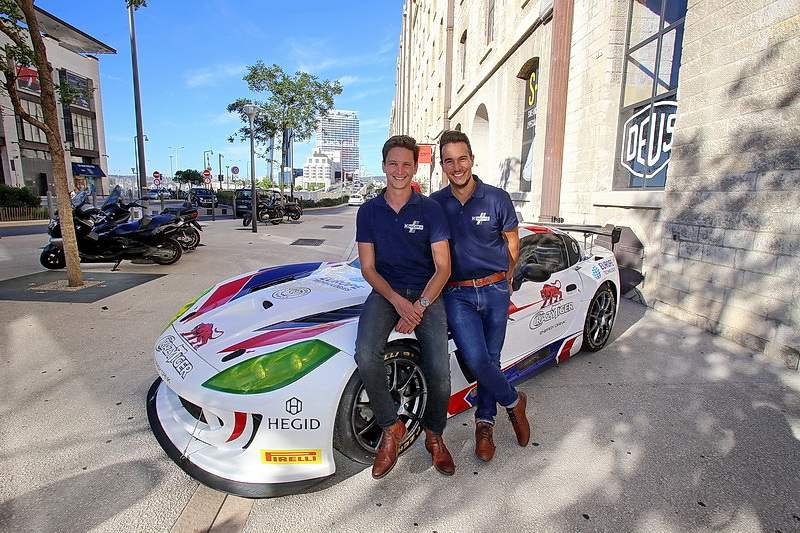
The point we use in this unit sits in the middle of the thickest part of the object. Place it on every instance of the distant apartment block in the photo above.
(339, 131)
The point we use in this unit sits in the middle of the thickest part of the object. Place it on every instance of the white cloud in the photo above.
(212, 76)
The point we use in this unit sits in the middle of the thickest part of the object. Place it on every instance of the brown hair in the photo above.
(454, 136)
(401, 141)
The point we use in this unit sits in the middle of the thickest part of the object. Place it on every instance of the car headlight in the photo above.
(271, 371)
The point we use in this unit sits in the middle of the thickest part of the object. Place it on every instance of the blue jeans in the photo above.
(378, 319)
(477, 317)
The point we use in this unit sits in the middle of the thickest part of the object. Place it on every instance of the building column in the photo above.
(556, 109)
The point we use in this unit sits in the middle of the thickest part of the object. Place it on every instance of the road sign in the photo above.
(207, 180)
(234, 170)
(206, 173)
(156, 174)
(156, 182)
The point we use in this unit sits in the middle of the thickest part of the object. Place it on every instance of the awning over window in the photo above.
(85, 169)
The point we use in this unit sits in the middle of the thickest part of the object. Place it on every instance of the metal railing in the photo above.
(8, 214)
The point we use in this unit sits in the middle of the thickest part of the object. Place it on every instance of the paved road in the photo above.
(666, 429)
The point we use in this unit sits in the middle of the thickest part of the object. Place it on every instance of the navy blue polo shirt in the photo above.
(403, 240)
(477, 246)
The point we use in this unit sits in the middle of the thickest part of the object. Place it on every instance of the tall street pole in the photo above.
(142, 177)
(250, 111)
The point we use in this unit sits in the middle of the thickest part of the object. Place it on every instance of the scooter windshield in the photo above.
(113, 198)
(79, 198)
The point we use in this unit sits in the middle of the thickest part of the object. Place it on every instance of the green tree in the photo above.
(189, 175)
(291, 109)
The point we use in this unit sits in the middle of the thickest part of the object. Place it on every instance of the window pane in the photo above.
(674, 11)
(641, 70)
(645, 21)
(671, 46)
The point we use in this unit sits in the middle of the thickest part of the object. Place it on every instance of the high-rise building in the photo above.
(339, 131)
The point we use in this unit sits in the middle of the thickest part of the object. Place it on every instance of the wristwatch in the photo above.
(424, 302)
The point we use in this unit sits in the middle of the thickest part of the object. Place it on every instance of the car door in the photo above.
(543, 313)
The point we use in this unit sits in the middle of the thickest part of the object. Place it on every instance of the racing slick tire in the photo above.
(356, 434)
(599, 319)
(53, 258)
(168, 252)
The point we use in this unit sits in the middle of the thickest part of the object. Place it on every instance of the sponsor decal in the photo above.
(483, 217)
(551, 293)
(175, 355)
(297, 457)
(550, 314)
(607, 265)
(201, 334)
(337, 283)
(596, 274)
(414, 226)
(294, 292)
(294, 406)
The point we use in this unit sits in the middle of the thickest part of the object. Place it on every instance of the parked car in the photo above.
(202, 197)
(155, 194)
(355, 199)
(257, 377)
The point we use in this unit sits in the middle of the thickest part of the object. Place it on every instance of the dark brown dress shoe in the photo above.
(387, 449)
(484, 444)
(442, 459)
(519, 422)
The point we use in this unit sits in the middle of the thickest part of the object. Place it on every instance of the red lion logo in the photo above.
(201, 334)
(551, 293)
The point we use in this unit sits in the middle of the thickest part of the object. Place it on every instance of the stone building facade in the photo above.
(675, 119)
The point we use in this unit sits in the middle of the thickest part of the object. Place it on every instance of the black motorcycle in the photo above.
(272, 212)
(115, 212)
(147, 239)
(293, 210)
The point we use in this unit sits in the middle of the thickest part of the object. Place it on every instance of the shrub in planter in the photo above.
(18, 197)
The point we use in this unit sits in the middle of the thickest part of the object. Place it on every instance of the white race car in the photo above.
(258, 382)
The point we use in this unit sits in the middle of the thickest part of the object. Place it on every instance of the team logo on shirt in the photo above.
(414, 226)
(483, 217)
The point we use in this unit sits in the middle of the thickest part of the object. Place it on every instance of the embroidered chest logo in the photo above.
(414, 226)
(481, 218)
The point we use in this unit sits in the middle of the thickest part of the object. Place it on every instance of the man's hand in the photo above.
(410, 315)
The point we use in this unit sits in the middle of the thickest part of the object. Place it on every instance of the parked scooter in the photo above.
(115, 212)
(293, 210)
(148, 239)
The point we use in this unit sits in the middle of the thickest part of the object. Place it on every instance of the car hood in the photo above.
(274, 312)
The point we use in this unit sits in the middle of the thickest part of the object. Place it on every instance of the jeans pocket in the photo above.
(500, 286)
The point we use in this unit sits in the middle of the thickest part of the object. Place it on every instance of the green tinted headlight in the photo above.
(271, 371)
(186, 308)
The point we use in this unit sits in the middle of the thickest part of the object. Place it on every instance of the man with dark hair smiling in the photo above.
(484, 245)
(402, 246)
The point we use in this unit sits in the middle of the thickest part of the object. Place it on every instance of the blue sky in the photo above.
(192, 56)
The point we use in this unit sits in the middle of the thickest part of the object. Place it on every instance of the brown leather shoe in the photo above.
(484, 444)
(442, 459)
(518, 420)
(387, 449)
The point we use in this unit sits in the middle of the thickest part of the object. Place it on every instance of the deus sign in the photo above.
(648, 139)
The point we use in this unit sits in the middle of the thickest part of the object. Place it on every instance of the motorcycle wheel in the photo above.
(189, 238)
(53, 258)
(168, 252)
(246, 220)
(263, 216)
(278, 217)
(295, 215)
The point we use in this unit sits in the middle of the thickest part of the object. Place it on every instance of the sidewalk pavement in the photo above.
(668, 428)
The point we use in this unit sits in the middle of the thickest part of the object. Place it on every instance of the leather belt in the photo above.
(479, 282)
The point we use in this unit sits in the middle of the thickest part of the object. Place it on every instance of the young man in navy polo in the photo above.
(402, 246)
(484, 245)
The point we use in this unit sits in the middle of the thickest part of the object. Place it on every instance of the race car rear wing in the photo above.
(612, 233)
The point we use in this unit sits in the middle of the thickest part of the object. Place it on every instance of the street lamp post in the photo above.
(250, 110)
(177, 166)
(206, 160)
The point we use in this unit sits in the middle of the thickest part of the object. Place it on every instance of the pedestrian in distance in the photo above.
(402, 246)
(484, 245)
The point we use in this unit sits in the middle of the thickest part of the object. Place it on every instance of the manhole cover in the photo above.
(308, 242)
(329, 226)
